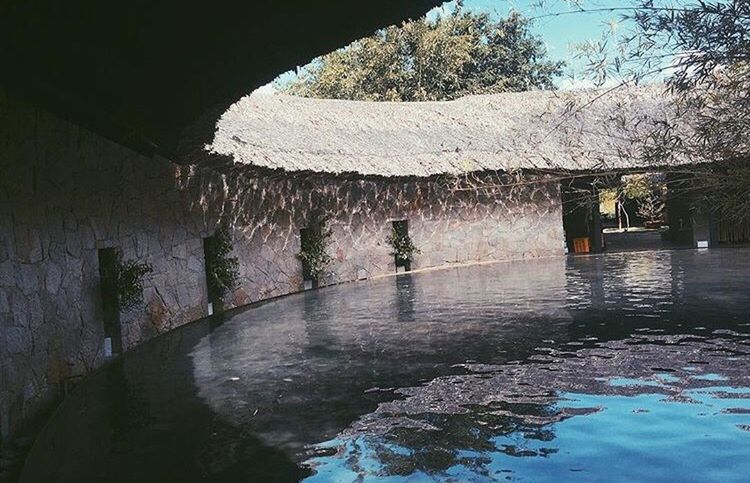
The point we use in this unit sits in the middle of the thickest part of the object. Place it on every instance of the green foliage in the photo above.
(702, 50)
(128, 279)
(651, 208)
(648, 191)
(726, 191)
(459, 54)
(315, 259)
(403, 246)
(637, 187)
(608, 202)
(221, 269)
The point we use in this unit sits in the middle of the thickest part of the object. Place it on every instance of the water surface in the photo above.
(620, 367)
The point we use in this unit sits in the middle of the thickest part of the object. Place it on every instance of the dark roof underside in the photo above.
(156, 75)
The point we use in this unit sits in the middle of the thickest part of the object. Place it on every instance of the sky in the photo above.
(559, 32)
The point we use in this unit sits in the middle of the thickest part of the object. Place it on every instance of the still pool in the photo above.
(620, 367)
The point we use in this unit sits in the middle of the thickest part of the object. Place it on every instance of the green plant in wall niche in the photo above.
(222, 271)
(313, 255)
(127, 277)
(402, 244)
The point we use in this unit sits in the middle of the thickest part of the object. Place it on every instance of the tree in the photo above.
(703, 48)
(648, 192)
(422, 60)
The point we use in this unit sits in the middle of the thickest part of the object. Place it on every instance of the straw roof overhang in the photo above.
(577, 131)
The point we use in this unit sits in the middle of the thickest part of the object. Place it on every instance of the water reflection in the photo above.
(406, 294)
(587, 368)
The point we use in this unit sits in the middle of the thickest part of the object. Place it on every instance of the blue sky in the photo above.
(559, 32)
(559, 23)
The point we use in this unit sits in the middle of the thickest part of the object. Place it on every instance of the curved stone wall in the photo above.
(66, 192)
(448, 224)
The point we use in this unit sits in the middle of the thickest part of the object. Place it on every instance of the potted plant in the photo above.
(129, 279)
(122, 290)
(403, 248)
(313, 254)
(221, 269)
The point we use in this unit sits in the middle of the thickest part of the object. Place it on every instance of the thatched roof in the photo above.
(571, 130)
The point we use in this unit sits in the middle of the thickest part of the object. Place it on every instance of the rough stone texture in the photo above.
(65, 192)
(447, 223)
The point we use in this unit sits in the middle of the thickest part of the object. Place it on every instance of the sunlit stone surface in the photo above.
(623, 367)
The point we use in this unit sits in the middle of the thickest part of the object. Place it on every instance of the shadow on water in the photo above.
(517, 370)
(139, 420)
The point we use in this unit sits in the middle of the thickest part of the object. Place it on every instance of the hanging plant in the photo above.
(315, 259)
(222, 271)
(403, 247)
(127, 277)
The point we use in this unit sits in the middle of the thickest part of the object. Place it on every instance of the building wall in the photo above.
(66, 192)
(449, 225)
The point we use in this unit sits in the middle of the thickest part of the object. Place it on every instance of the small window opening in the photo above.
(110, 304)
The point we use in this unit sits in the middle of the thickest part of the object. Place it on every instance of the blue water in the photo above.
(630, 438)
(620, 367)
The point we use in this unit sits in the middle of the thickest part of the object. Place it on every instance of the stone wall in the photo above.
(449, 225)
(66, 192)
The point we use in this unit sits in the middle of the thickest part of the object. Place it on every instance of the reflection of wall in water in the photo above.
(622, 282)
(612, 296)
(406, 287)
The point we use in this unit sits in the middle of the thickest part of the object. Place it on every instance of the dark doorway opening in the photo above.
(110, 302)
(581, 217)
(401, 230)
(679, 210)
(630, 212)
